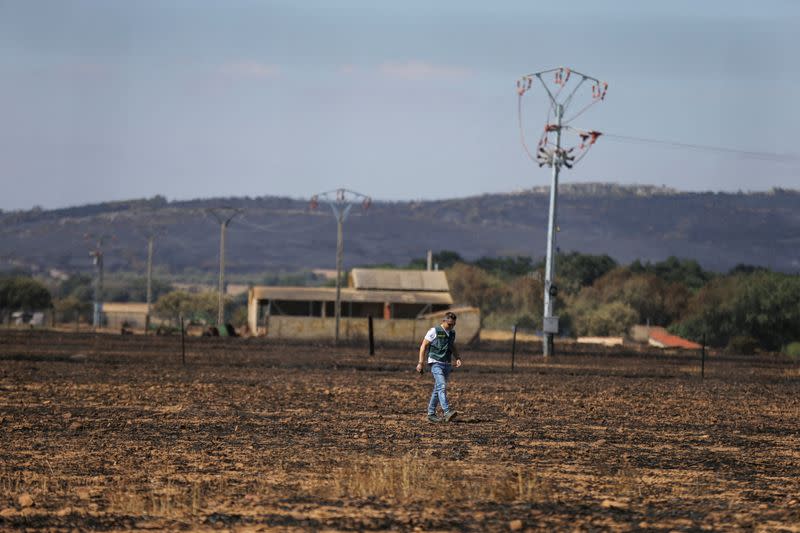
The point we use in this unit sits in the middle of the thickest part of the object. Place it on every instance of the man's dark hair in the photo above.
(450, 316)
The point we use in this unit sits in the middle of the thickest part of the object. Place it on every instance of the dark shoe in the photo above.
(449, 415)
(434, 419)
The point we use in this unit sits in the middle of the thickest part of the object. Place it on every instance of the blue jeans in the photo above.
(440, 372)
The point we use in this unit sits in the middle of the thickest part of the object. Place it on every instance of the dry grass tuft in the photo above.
(403, 479)
(166, 499)
(28, 481)
(413, 479)
(520, 485)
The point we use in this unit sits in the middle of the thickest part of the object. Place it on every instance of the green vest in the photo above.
(441, 347)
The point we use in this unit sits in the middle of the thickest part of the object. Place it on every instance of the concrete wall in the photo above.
(640, 333)
(355, 329)
(114, 320)
(605, 341)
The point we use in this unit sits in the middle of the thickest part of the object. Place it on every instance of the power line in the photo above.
(764, 156)
(279, 227)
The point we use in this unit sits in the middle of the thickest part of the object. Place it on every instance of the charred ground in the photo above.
(110, 432)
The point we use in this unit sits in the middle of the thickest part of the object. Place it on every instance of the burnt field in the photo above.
(114, 432)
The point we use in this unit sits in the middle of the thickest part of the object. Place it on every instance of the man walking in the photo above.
(439, 345)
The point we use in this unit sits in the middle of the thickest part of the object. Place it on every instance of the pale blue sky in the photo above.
(103, 100)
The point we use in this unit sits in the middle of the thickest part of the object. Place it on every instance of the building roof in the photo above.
(124, 307)
(661, 338)
(399, 280)
(328, 294)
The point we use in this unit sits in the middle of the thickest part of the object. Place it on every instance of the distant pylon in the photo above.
(341, 202)
(151, 233)
(224, 216)
(97, 256)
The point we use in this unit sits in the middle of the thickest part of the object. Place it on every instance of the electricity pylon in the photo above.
(341, 202)
(550, 152)
(223, 215)
(97, 260)
(151, 233)
(150, 239)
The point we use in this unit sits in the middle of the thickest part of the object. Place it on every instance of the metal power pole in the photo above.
(341, 202)
(337, 307)
(150, 232)
(224, 216)
(149, 282)
(221, 290)
(550, 260)
(97, 260)
(550, 152)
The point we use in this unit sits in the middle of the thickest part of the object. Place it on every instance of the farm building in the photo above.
(130, 314)
(403, 304)
(661, 338)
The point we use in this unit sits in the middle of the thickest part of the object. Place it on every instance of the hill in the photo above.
(720, 230)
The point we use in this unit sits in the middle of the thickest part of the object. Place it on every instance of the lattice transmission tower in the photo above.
(341, 202)
(565, 84)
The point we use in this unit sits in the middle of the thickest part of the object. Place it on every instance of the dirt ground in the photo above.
(114, 432)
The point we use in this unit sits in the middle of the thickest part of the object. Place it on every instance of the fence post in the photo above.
(513, 344)
(183, 343)
(703, 359)
(371, 337)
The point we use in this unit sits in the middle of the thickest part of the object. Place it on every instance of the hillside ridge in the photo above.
(627, 222)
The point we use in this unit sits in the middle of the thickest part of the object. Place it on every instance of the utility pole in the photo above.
(341, 202)
(150, 232)
(224, 216)
(550, 322)
(150, 239)
(97, 261)
(550, 152)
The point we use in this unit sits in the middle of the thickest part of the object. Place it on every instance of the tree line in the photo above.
(746, 308)
(743, 309)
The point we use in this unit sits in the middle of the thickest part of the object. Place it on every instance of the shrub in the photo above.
(761, 306)
(792, 349)
(742, 345)
(614, 318)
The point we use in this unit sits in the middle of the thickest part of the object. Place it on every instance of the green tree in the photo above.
(506, 267)
(78, 285)
(521, 306)
(527, 297)
(575, 270)
(23, 294)
(134, 290)
(742, 268)
(173, 305)
(444, 258)
(602, 319)
(474, 286)
(302, 279)
(654, 300)
(71, 309)
(764, 306)
(200, 307)
(686, 271)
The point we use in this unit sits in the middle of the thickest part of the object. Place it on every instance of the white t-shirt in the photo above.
(430, 337)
